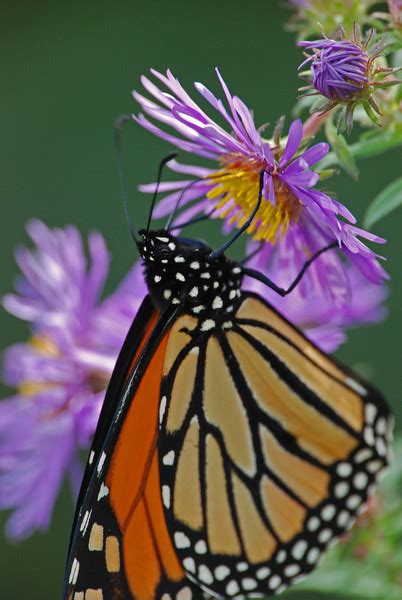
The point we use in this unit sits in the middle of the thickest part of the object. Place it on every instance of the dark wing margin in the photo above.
(132, 342)
(97, 519)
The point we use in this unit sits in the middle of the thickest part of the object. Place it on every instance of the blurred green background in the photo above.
(67, 70)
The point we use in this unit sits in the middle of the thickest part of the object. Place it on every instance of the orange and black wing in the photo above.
(120, 546)
(268, 451)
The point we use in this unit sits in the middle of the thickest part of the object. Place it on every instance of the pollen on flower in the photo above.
(42, 345)
(236, 188)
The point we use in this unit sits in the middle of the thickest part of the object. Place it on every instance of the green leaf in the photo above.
(341, 149)
(368, 146)
(387, 200)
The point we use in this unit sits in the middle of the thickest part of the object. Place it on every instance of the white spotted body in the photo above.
(176, 273)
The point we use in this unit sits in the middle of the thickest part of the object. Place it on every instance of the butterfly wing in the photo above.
(269, 449)
(120, 546)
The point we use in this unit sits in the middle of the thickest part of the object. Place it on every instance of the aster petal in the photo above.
(179, 143)
(168, 203)
(314, 154)
(164, 186)
(99, 268)
(23, 363)
(248, 123)
(197, 171)
(215, 102)
(298, 178)
(292, 145)
(34, 453)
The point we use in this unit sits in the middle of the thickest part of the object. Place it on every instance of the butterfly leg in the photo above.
(282, 291)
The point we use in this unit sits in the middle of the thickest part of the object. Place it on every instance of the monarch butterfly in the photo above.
(230, 451)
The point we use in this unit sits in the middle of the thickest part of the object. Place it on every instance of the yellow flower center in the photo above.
(236, 187)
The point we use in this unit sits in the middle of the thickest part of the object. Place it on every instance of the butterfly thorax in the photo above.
(179, 271)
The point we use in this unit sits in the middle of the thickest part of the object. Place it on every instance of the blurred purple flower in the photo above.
(395, 9)
(292, 208)
(61, 374)
(323, 317)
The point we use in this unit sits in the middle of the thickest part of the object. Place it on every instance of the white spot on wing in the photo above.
(189, 564)
(181, 540)
(217, 302)
(324, 536)
(263, 572)
(221, 572)
(360, 480)
(274, 582)
(356, 386)
(205, 574)
(84, 522)
(344, 469)
(207, 325)
(75, 567)
(371, 412)
(292, 570)
(363, 455)
(341, 489)
(162, 408)
(103, 491)
(166, 496)
(232, 588)
(184, 594)
(101, 463)
(248, 583)
(299, 549)
(200, 547)
(168, 459)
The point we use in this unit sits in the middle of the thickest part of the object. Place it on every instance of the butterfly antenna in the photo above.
(245, 225)
(118, 126)
(162, 164)
(179, 200)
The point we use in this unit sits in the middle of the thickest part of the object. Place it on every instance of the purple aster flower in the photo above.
(344, 72)
(292, 207)
(61, 374)
(324, 317)
(395, 10)
(339, 68)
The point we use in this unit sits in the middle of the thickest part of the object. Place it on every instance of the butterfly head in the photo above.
(180, 270)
